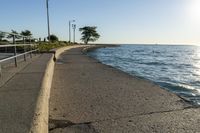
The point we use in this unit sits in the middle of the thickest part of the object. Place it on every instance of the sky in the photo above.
(118, 21)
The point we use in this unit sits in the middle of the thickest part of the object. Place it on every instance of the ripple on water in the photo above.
(175, 68)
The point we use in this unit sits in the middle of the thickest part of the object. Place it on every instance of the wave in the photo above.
(153, 63)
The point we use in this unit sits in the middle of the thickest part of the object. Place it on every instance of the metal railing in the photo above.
(22, 46)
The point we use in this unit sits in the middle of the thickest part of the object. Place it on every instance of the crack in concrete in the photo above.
(85, 126)
(168, 111)
(26, 73)
(142, 114)
(55, 124)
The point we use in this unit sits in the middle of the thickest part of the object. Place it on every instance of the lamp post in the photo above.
(70, 29)
(47, 5)
(74, 29)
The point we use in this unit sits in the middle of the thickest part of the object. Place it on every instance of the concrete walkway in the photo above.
(89, 97)
(8, 69)
(19, 94)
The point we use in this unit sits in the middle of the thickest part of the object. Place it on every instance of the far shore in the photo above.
(96, 46)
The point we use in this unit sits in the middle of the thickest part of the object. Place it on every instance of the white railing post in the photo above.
(30, 47)
(15, 50)
(24, 49)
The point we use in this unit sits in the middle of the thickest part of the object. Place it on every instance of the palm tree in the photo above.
(14, 32)
(89, 34)
(26, 33)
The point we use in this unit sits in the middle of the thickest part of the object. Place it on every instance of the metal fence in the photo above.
(18, 49)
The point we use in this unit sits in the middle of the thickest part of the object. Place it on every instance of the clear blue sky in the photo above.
(118, 21)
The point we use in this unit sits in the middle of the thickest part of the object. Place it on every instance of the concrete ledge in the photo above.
(40, 120)
(61, 50)
(41, 116)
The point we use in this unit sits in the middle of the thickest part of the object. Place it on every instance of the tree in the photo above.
(53, 38)
(26, 33)
(89, 34)
(2, 35)
(14, 32)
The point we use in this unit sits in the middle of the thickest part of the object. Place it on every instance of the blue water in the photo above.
(175, 68)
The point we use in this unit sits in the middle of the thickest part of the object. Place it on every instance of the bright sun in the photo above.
(194, 10)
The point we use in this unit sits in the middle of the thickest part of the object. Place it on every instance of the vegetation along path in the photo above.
(89, 97)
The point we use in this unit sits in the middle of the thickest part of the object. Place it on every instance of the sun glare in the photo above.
(194, 10)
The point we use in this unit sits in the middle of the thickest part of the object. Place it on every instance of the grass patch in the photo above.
(46, 47)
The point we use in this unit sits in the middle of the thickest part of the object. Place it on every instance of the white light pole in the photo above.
(47, 5)
(71, 21)
(74, 29)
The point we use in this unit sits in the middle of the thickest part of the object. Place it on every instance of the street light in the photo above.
(70, 29)
(47, 5)
(74, 29)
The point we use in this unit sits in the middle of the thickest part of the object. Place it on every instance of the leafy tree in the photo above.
(2, 35)
(53, 38)
(89, 34)
(26, 33)
(14, 32)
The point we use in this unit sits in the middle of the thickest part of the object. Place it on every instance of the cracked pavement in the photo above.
(89, 97)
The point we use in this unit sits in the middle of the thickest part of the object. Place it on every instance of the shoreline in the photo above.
(111, 98)
(93, 48)
(97, 46)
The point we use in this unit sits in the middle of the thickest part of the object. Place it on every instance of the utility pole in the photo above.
(47, 5)
(70, 29)
(74, 29)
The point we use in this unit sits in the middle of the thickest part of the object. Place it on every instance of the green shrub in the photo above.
(45, 46)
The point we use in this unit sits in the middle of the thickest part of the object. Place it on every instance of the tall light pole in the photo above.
(70, 29)
(47, 5)
(74, 29)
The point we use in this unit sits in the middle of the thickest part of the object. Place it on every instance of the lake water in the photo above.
(175, 68)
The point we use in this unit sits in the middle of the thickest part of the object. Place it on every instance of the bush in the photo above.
(45, 46)
(53, 38)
